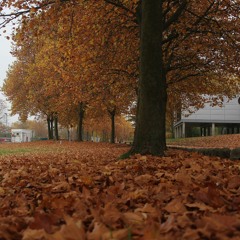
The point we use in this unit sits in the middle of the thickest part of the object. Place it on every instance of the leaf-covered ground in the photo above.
(74, 191)
(222, 141)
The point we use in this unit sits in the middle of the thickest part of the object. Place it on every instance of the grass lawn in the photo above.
(31, 147)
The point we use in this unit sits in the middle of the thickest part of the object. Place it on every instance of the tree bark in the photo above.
(80, 121)
(149, 137)
(68, 134)
(56, 126)
(87, 136)
(50, 126)
(112, 115)
(104, 136)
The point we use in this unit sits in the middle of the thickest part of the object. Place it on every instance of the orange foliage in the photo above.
(66, 69)
(87, 52)
(100, 127)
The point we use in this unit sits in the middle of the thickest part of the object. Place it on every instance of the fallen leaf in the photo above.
(2, 192)
(121, 234)
(168, 225)
(144, 179)
(131, 218)
(61, 187)
(98, 231)
(199, 205)
(234, 182)
(30, 234)
(72, 230)
(175, 206)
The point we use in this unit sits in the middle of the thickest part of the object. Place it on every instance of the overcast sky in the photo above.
(5, 57)
(5, 60)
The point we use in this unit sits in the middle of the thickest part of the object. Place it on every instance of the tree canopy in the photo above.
(86, 52)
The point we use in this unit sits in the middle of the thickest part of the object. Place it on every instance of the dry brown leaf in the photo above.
(183, 194)
(121, 234)
(72, 230)
(191, 234)
(147, 208)
(30, 234)
(175, 206)
(168, 225)
(151, 231)
(131, 218)
(210, 195)
(199, 205)
(61, 187)
(144, 179)
(44, 221)
(98, 231)
(183, 176)
(234, 182)
(139, 193)
(111, 215)
(2, 192)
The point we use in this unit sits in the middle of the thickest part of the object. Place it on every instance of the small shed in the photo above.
(21, 135)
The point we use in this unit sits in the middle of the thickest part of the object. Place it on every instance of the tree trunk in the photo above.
(87, 136)
(149, 137)
(50, 126)
(113, 128)
(68, 134)
(104, 136)
(112, 115)
(92, 138)
(80, 122)
(56, 126)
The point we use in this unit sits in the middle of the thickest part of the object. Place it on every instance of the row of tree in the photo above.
(69, 78)
(78, 59)
(93, 130)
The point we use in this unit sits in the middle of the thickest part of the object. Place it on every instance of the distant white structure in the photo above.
(21, 135)
(209, 121)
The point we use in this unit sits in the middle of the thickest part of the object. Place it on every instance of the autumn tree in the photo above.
(100, 127)
(62, 69)
(25, 85)
(118, 75)
(180, 40)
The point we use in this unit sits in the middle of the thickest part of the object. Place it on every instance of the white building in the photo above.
(21, 135)
(210, 120)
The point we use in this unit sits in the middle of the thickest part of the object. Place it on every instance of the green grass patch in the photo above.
(15, 151)
(11, 149)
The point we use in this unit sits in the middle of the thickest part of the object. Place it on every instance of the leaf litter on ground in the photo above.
(221, 141)
(81, 191)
